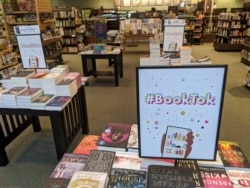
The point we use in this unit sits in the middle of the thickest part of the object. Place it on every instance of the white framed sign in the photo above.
(30, 46)
(173, 34)
(179, 110)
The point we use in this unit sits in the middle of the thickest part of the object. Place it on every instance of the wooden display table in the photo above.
(65, 124)
(90, 69)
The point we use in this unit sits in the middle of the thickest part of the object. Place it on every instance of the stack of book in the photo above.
(8, 97)
(49, 82)
(21, 78)
(74, 76)
(24, 99)
(63, 69)
(35, 80)
(67, 87)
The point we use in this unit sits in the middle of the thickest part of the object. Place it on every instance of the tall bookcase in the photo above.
(33, 12)
(68, 22)
(231, 31)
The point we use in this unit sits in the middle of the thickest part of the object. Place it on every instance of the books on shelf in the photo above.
(69, 164)
(114, 137)
(120, 177)
(99, 161)
(88, 179)
(232, 156)
(58, 103)
(167, 176)
(88, 143)
(41, 101)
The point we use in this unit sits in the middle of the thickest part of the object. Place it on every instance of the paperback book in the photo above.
(69, 164)
(99, 161)
(133, 145)
(127, 160)
(232, 156)
(214, 177)
(56, 183)
(41, 101)
(192, 164)
(58, 103)
(239, 178)
(166, 176)
(120, 177)
(114, 137)
(88, 143)
(88, 179)
(29, 94)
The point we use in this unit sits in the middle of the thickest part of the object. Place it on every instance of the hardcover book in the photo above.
(88, 179)
(166, 176)
(192, 164)
(231, 155)
(120, 177)
(69, 164)
(58, 103)
(214, 177)
(88, 143)
(114, 137)
(99, 161)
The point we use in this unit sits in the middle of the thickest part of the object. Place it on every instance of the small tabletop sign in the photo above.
(173, 34)
(30, 46)
(100, 31)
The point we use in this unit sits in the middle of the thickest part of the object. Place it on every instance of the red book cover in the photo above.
(114, 136)
(87, 144)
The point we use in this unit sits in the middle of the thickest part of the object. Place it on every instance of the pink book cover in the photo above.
(87, 144)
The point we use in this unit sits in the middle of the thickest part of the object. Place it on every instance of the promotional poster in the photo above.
(179, 110)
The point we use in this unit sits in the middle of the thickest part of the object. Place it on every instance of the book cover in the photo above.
(214, 177)
(231, 155)
(99, 161)
(239, 178)
(88, 143)
(58, 103)
(69, 164)
(56, 183)
(88, 179)
(192, 164)
(127, 160)
(120, 177)
(166, 176)
(133, 139)
(29, 93)
(42, 100)
(114, 137)
(23, 74)
(14, 91)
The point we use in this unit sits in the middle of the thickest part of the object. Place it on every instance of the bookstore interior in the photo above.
(163, 148)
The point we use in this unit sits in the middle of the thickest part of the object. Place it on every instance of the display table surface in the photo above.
(90, 68)
(65, 124)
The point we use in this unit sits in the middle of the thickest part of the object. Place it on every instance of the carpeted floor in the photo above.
(32, 155)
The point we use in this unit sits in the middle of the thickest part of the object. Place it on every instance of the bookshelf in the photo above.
(231, 31)
(68, 22)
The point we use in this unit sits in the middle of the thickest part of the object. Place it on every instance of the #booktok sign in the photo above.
(179, 110)
(30, 46)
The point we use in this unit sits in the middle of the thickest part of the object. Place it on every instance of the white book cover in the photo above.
(88, 179)
(127, 160)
